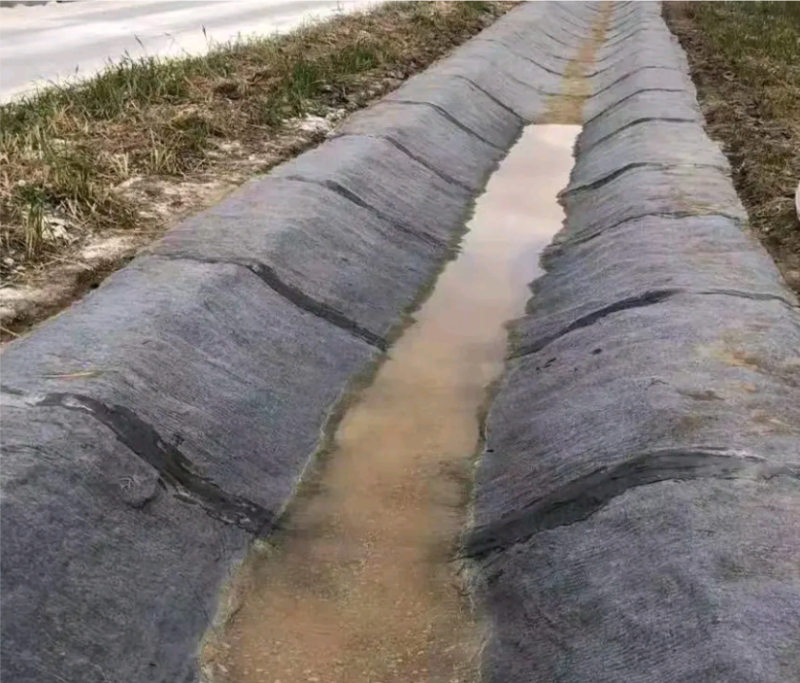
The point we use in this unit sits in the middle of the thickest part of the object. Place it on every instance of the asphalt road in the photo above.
(63, 41)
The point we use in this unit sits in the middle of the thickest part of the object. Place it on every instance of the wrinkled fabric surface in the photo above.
(153, 429)
(638, 504)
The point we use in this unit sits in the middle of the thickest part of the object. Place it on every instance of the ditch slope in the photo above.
(636, 504)
(157, 427)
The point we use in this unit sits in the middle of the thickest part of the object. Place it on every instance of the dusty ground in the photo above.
(745, 62)
(91, 174)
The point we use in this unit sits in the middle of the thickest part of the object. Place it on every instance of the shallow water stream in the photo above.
(361, 587)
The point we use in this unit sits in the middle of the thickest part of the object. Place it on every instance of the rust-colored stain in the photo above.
(567, 106)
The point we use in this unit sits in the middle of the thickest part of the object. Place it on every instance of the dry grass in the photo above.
(149, 140)
(745, 61)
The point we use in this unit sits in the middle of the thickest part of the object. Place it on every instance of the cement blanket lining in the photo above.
(156, 427)
(637, 503)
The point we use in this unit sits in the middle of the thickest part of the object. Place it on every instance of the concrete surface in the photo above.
(637, 503)
(61, 42)
(156, 427)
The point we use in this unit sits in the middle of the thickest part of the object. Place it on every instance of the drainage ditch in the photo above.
(360, 585)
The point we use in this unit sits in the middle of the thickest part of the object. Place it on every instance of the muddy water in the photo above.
(361, 588)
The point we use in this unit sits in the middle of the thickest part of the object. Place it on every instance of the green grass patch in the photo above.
(65, 151)
(745, 61)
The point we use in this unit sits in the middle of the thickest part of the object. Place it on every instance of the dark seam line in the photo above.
(402, 148)
(10, 390)
(645, 119)
(631, 7)
(578, 500)
(560, 74)
(632, 73)
(626, 51)
(479, 39)
(535, 89)
(620, 23)
(596, 184)
(640, 301)
(623, 36)
(623, 5)
(571, 46)
(304, 302)
(587, 236)
(598, 62)
(620, 62)
(175, 470)
(580, 38)
(623, 22)
(443, 112)
(568, 20)
(489, 95)
(574, 21)
(632, 4)
(620, 32)
(627, 97)
(539, 90)
(293, 295)
(561, 22)
(342, 191)
(569, 16)
(565, 19)
(634, 51)
(444, 176)
(636, 4)
(594, 12)
(620, 44)
(556, 40)
(739, 294)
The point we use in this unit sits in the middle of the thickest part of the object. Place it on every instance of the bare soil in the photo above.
(745, 63)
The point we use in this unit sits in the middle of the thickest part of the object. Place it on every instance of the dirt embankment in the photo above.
(745, 62)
